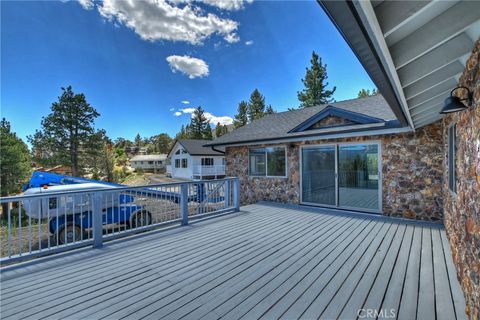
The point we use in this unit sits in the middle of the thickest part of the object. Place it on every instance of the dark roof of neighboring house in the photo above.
(281, 125)
(196, 147)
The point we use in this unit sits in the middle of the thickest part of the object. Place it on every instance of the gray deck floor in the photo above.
(269, 261)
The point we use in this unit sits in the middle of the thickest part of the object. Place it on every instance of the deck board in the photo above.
(269, 261)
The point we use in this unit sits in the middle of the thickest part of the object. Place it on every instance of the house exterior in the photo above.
(150, 162)
(418, 53)
(190, 159)
(350, 154)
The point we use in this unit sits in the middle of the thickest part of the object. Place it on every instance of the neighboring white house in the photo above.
(189, 159)
(149, 162)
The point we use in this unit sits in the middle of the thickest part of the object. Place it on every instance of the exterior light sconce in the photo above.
(454, 104)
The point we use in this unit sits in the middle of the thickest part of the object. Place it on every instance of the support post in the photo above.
(228, 193)
(97, 219)
(236, 193)
(184, 203)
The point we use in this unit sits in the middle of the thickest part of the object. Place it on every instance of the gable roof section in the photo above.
(331, 111)
(281, 125)
(196, 147)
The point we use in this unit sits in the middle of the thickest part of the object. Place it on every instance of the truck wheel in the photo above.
(73, 233)
(141, 219)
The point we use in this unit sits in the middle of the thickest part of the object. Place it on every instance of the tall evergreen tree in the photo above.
(241, 118)
(208, 135)
(138, 140)
(315, 92)
(14, 161)
(66, 129)
(256, 106)
(218, 130)
(199, 125)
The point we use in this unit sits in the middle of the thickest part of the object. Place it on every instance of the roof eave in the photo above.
(321, 136)
(346, 17)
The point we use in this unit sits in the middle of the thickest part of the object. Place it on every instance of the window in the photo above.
(177, 163)
(150, 162)
(207, 161)
(184, 163)
(268, 162)
(452, 158)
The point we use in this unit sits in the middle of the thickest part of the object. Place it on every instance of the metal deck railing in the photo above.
(35, 225)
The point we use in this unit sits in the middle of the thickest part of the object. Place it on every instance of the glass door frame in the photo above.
(337, 146)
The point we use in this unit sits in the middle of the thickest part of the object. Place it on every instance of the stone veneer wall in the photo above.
(412, 174)
(462, 211)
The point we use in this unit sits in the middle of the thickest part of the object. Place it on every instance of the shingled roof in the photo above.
(281, 125)
(195, 147)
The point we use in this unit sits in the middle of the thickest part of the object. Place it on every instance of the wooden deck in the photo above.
(268, 261)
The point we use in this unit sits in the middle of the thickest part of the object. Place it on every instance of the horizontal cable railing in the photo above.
(213, 170)
(39, 224)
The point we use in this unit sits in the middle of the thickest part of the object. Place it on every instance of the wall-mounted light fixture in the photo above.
(454, 104)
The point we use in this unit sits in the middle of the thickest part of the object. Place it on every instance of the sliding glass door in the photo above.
(318, 175)
(358, 176)
(342, 175)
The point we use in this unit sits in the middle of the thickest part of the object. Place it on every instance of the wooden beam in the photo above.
(435, 59)
(444, 27)
(393, 14)
(432, 93)
(449, 71)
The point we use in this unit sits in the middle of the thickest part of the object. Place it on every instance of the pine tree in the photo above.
(199, 125)
(269, 109)
(241, 118)
(66, 130)
(138, 140)
(218, 130)
(14, 161)
(315, 92)
(256, 106)
(366, 93)
(207, 134)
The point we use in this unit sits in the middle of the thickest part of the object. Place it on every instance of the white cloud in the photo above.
(188, 110)
(210, 117)
(249, 42)
(231, 5)
(178, 113)
(86, 4)
(172, 109)
(192, 67)
(214, 119)
(185, 102)
(156, 20)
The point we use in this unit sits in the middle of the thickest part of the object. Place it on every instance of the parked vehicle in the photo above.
(69, 214)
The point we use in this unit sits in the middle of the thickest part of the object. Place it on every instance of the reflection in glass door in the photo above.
(344, 175)
(318, 175)
(358, 178)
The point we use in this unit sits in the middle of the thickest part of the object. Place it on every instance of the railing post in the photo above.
(184, 203)
(228, 193)
(236, 194)
(97, 219)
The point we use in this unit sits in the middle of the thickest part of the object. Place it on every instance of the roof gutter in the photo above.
(318, 137)
(216, 150)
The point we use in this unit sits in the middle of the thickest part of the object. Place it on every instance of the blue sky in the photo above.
(137, 63)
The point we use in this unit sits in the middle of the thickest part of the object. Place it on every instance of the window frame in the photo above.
(452, 158)
(203, 161)
(177, 163)
(184, 163)
(284, 147)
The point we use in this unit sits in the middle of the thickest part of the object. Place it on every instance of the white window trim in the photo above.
(266, 162)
